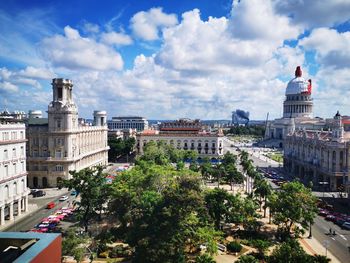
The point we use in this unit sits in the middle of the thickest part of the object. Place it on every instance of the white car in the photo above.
(63, 198)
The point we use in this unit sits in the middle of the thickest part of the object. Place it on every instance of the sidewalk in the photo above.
(313, 246)
(34, 204)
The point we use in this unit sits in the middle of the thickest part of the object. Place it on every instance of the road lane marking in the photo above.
(343, 237)
(333, 238)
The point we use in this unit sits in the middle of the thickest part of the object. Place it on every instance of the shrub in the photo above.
(247, 259)
(234, 246)
(103, 254)
(205, 258)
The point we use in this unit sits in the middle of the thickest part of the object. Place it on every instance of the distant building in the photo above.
(187, 135)
(63, 142)
(122, 123)
(321, 157)
(16, 115)
(30, 247)
(297, 110)
(240, 117)
(13, 174)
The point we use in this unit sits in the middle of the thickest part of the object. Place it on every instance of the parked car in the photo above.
(32, 191)
(63, 198)
(73, 192)
(39, 193)
(346, 225)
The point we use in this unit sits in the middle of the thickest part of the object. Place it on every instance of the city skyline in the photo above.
(163, 60)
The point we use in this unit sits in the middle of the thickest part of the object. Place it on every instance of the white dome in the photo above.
(297, 85)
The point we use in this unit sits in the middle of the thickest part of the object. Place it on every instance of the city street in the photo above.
(337, 244)
(29, 221)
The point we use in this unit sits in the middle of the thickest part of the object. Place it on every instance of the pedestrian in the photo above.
(334, 233)
(330, 231)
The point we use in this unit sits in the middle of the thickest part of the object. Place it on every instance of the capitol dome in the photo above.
(298, 85)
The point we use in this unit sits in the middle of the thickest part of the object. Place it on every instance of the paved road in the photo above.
(338, 244)
(28, 222)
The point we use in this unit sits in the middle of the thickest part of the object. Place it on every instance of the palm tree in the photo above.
(263, 189)
(233, 175)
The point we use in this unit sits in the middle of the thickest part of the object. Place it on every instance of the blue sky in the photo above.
(172, 59)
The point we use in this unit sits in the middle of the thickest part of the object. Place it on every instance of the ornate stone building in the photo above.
(297, 110)
(320, 156)
(62, 143)
(187, 135)
(13, 175)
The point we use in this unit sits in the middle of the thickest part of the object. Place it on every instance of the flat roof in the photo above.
(16, 239)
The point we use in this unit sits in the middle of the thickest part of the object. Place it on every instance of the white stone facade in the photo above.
(62, 144)
(13, 174)
(123, 123)
(319, 156)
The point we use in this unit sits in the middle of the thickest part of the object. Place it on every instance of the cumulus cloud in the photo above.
(114, 38)
(311, 13)
(36, 73)
(332, 47)
(7, 87)
(146, 25)
(256, 19)
(71, 51)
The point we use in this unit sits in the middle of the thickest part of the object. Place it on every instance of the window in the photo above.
(14, 153)
(22, 134)
(6, 170)
(14, 169)
(13, 135)
(58, 123)
(59, 93)
(6, 156)
(59, 168)
(22, 151)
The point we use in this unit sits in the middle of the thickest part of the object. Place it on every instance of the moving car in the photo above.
(39, 193)
(63, 198)
(50, 205)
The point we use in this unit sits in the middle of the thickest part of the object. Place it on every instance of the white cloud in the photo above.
(74, 52)
(146, 25)
(311, 13)
(36, 73)
(114, 38)
(8, 87)
(332, 47)
(256, 19)
(91, 28)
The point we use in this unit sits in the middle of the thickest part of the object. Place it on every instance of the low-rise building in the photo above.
(13, 174)
(123, 123)
(185, 134)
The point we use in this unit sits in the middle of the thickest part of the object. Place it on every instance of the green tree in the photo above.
(206, 169)
(262, 189)
(119, 147)
(321, 259)
(72, 245)
(205, 258)
(294, 206)
(223, 206)
(233, 176)
(247, 259)
(90, 185)
(290, 252)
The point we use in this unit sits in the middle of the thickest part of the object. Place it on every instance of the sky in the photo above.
(174, 59)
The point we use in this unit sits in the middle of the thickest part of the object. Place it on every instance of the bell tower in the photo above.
(62, 111)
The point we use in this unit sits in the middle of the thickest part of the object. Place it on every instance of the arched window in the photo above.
(35, 182)
(44, 182)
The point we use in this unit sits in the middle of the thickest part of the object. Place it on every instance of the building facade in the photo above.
(320, 157)
(13, 175)
(62, 143)
(186, 135)
(125, 123)
(297, 110)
